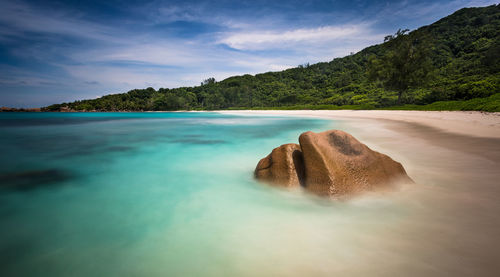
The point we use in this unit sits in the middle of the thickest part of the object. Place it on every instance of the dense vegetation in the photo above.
(459, 61)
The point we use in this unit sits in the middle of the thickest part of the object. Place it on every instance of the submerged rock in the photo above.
(29, 180)
(283, 167)
(331, 163)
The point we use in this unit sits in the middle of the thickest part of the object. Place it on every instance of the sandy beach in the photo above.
(475, 133)
(477, 124)
(453, 210)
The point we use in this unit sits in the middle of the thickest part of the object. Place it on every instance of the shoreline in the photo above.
(475, 124)
(465, 123)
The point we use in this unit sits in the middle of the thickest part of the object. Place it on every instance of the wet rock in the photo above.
(331, 163)
(283, 167)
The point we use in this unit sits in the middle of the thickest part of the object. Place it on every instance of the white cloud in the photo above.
(154, 54)
(279, 67)
(261, 40)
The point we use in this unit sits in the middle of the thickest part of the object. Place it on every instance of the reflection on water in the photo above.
(172, 194)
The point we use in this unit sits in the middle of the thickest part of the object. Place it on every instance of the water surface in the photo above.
(172, 194)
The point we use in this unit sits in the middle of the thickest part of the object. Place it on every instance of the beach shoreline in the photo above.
(475, 124)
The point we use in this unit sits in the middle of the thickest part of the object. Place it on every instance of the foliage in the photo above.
(487, 104)
(459, 54)
(406, 63)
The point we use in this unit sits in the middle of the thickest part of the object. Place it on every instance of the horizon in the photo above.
(61, 52)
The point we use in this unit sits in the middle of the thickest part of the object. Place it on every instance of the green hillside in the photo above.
(462, 53)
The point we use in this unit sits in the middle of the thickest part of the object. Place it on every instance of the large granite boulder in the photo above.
(338, 164)
(331, 163)
(283, 167)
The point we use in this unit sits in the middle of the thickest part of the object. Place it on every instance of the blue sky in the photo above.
(56, 51)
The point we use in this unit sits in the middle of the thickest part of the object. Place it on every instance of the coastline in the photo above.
(427, 143)
(474, 124)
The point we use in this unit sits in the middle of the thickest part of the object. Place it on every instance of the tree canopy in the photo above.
(406, 64)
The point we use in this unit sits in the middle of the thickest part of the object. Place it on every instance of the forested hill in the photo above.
(459, 60)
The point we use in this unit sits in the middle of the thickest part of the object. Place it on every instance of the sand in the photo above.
(451, 216)
(475, 133)
(477, 124)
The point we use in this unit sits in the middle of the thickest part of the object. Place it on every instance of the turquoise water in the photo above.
(156, 194)
(172, 194)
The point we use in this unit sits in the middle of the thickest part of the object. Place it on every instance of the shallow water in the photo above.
(172, 194)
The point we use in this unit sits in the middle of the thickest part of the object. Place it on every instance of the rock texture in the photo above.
(283, 167)
(331, 163)
(338, 164)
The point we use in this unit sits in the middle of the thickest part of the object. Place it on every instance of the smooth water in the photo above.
(173, 194)
(139, 193)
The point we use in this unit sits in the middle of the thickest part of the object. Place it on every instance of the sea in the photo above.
(173, 194)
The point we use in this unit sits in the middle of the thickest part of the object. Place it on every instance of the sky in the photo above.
(61, 51)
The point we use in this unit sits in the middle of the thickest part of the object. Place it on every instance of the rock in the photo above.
(337, 164)
(283, 167)
(331, 163)
(29, 180)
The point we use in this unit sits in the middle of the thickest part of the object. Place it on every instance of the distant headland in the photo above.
(7, 109)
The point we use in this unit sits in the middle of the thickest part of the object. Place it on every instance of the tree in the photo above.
(208, 81)
(405, 64)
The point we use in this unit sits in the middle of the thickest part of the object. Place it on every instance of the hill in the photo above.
(464, 74)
